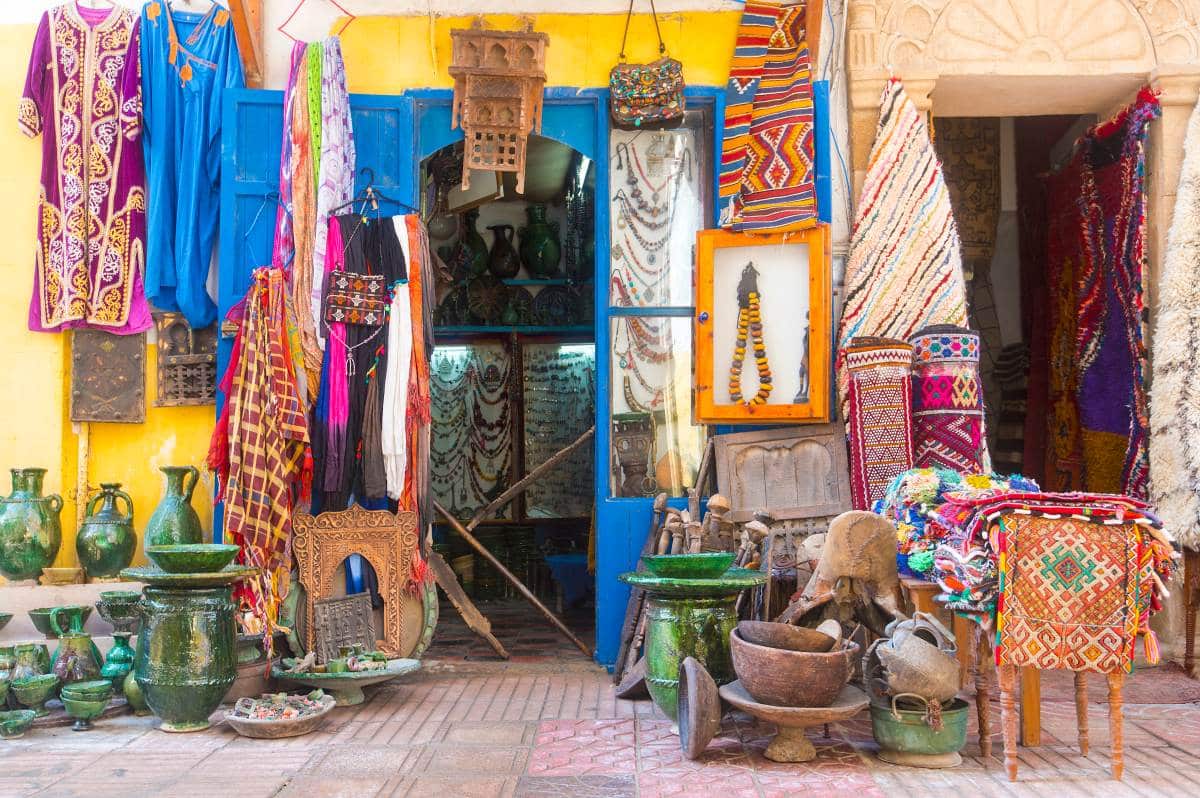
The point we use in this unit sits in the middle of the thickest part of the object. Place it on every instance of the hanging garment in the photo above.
(879, 425)
(767, 182)
(82, 94)
(259, 442)
(189, 62)
(905, 266)
(1174, 409)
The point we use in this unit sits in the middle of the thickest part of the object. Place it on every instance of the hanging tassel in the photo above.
(1150, 647)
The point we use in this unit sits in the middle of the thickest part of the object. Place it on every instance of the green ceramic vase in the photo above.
(76, 659)
(678, 628)
(28, 661)
(473, 242)
(30, 531)
(106, 538)
(174, 521)
(540, 247)
(185, 662)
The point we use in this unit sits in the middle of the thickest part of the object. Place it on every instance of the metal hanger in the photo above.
(371, 195)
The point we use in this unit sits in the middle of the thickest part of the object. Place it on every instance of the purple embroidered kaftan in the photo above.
(83, 94)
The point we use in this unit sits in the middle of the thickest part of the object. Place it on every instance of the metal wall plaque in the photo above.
(187, 362)
(341, 623)
(108, 377)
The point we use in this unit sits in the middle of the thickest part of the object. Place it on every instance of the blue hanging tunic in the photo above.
(189, 60)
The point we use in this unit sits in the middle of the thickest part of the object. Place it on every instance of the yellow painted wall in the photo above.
(384, 55)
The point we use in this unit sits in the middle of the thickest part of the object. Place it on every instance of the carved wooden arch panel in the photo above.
(387, 542)
(959, 36)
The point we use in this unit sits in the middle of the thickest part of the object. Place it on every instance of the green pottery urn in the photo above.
(185, 661)
(540, 247)
(174, 521)
(106, 539)
(30, 531)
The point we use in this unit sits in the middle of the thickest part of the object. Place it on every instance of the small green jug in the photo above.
(106, 538)
(174, 521)
(77, 658)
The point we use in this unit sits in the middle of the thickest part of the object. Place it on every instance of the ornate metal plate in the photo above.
(343, 622)
(187, 363)
(108, 377)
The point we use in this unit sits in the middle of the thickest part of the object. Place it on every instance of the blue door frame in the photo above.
(389, 131)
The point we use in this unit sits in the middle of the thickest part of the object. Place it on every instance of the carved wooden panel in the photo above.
(343, 622)
(108, 377)
(388, 543)
(187, 363)
(793, 472)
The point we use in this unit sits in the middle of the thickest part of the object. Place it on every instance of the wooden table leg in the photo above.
(1081, 709)
(1115, 730)
(982, 668)
(964, 637)
(1191, 592)
(1031, 707)
(1008, 717)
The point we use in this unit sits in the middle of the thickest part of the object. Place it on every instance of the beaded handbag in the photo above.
(353, 298)
(646, 96)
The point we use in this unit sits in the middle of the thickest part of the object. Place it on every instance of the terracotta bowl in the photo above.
(784, 635)
(782, 678)
(708, 565)
(192, 558)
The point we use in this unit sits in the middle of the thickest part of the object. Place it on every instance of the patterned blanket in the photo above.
(948, 400)
(880, 422)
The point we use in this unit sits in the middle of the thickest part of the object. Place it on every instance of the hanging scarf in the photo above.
(413, 235)
(335, 172)
(394, 436)
(335, 374)
(261, 443)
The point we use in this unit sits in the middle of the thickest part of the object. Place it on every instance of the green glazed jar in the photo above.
(106, 538)
(185, 661)
(76, 659)
(30, 531)
(27, 661)
(133, 693)
(473, 242)
(174, 521)
(540, 247)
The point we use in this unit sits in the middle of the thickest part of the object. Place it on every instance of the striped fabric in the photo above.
(880, 422)
(774, 189)
(905, 265)
(759, 19)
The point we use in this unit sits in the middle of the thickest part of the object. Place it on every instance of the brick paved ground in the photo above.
(555, 729)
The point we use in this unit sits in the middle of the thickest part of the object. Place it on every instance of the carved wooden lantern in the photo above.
(387, 542)
(498, 81)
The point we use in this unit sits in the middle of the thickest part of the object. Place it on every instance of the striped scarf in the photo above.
(905, 265)
(259, 443)
(766, 182)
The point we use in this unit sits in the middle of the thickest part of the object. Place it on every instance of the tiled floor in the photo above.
(554, 728)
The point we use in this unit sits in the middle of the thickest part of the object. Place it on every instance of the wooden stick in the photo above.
(706, 460)
(983, 689)
(507, 574)
(637, 596)
(476, 621)
(1191, 589)
(524, 482)
(1115, 731)
(1081, 707)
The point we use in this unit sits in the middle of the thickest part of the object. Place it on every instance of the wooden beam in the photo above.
(476, 621)
(466, 535)
(248, 28)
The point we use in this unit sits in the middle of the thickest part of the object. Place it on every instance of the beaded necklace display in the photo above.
(749, 323)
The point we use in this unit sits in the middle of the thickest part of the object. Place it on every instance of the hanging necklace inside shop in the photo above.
(749, 327)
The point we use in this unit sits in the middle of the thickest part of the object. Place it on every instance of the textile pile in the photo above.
(947, 400)
(1174, 402)
(880, 422)
(766, 179)
(905, 266)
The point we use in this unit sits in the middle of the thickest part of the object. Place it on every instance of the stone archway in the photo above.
(1029, 57)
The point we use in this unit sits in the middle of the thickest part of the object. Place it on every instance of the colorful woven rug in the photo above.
(1069, 593)
(905, 265)
(1174, 405)
(880, 420)
(947, 400)
(766, 182)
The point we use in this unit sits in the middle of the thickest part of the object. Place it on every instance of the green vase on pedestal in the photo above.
(174, 521)
(30, 531)
(106, 539)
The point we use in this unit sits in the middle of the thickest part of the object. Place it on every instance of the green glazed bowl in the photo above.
(14, 724)
(192, 558)
(34, 691)
(94, 688)
(3, 692)
(84, 710)
(5, 617)
(41, 617)
(708, 565)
